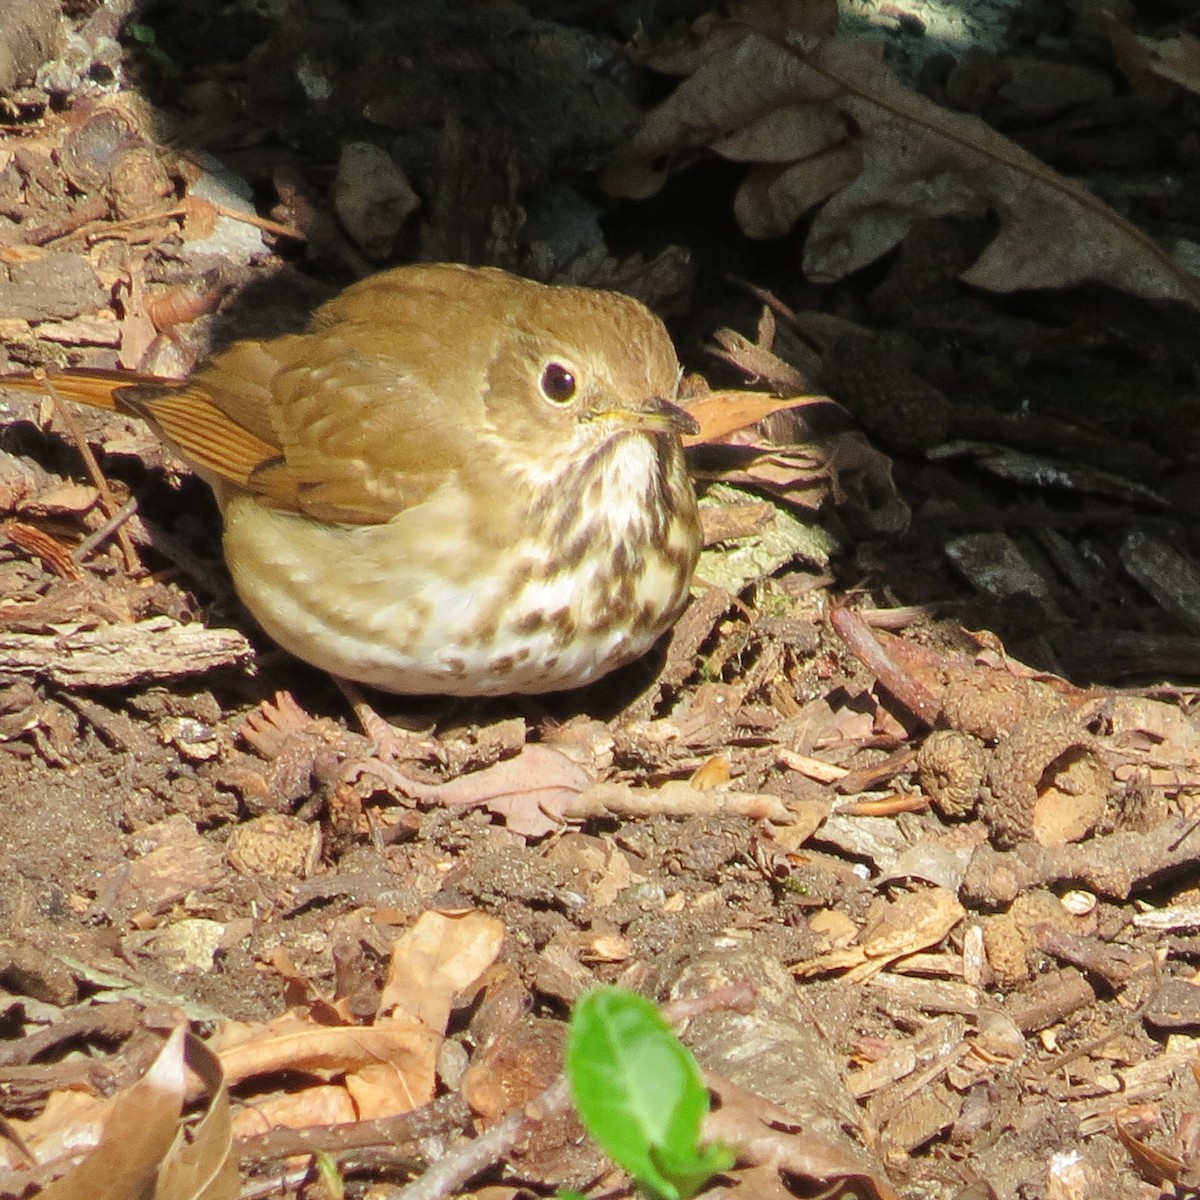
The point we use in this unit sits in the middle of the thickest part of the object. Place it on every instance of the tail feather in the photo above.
(185, 415)
(97, 388)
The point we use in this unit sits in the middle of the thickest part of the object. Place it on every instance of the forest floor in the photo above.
(920, 762)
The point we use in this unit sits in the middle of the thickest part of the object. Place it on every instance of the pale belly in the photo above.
(419, 622)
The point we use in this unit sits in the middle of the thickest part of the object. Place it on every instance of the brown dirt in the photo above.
(177, 835)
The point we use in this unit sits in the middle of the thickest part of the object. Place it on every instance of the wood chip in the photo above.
(123, 655)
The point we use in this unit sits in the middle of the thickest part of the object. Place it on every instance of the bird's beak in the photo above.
(655, 416)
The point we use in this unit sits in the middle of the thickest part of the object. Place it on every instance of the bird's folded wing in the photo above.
(363, 436)
(326, 424)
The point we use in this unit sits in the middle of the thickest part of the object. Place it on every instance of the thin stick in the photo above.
(105, 531)
(109, 502)
(454, 1169)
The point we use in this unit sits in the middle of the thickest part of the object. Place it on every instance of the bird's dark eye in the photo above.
(558, 383)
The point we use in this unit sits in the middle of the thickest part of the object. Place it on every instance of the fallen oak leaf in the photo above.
(921, 160)
(882, 157)
(438, 957)
(530, 791)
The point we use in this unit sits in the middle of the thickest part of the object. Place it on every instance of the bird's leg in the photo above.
(392, 744)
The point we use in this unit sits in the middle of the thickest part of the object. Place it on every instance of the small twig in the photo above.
(851, 628)
(874, 775)
(109, 502)
(464, 1162)
(1188, 831)
(114, 522)
(263, 223)
(86, 213)
(809, 767)
(401, 1134)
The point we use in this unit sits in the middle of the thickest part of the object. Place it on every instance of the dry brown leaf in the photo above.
(292, 1042)
(137, 1135)
(137, 329)
(68, 1121)
(1175, 59)
(529, 791)
(713, 772)
(1154, 733)
(1157, 1166)
(913, 921)
(773, 1145)
(831, 120)
(721, 413)
(769, 202)
(143, 1151)
(317, 1104)
(379, 1090)
(842, 467)
(387, 1068)
(440, 956)
(201, 1165)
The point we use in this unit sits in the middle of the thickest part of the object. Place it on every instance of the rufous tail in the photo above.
(98, 388)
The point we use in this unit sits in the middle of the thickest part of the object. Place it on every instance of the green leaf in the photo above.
(639, 1093)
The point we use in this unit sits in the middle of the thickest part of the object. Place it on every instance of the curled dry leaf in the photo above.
(828, 121)
(777, 445)
(292, 1042)
(440, 956)
(722, 413)
(374, 1071)
(913, 921)
(143, 1150)
(1143, 59)
(201, 1165)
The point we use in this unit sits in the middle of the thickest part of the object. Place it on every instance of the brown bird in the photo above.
(456, 481)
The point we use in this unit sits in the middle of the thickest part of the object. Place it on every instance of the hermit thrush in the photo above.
(456, 481)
